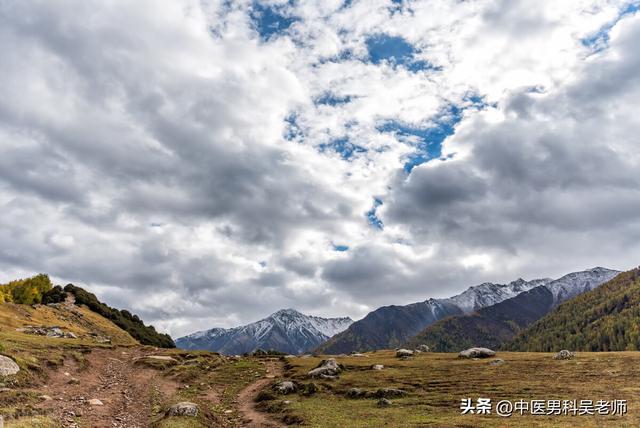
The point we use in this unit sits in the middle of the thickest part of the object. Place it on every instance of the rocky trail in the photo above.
(107, 390)
(253, 418)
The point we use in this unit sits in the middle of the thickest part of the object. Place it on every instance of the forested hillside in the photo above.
(604, 319)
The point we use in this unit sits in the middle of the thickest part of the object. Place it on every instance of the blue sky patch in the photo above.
(292, 131)
(373, 217)
(395, 51)
(340, 248)
(599, 41)
(343, 146)
(270, 21)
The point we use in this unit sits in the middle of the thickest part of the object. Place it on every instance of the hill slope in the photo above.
(391, 326)
(604, 319)
(494, 325)
(286, 331)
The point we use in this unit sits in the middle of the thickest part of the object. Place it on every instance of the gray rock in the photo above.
(564, 355)
(357, 354)
(328, 367)
(383, 402)
(477, 353)
(403, 353)
(422, 348)
(55, 332)
(8, 367)
(497, 362)
(70, 335)
(95, 402)
(389, 392)
(377, 367)
(184, 408)
(45, 397)
(356, 393)
(286, 387)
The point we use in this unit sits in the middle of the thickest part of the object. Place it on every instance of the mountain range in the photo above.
(495, 325)
(392, 326)
(286, 331)
(604, 319)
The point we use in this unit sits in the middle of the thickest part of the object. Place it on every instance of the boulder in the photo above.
(383, 402)
(184, 408)
(356, 393)
(477, 353)
(286, 387)
(404, 353)
(377, 367)
(389, 392)
(327, 369)
(8, 367)
(422, 348)
(564, 355)
(55, 332)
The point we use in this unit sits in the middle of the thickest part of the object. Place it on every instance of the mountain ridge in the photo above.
(494, 325)
(392, 326)
(286, 330)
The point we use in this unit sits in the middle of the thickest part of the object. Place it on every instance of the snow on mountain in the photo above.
(576, 283)
(286, 331)
(488, 294)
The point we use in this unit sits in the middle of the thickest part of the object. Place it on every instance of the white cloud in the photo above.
(143, 152)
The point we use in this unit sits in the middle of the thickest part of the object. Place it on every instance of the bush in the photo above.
(147, 335)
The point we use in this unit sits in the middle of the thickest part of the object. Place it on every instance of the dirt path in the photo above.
(111, 377)
(252, 417)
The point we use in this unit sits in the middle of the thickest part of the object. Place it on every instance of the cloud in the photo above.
(200, 163)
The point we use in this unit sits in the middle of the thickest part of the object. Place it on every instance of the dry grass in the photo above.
(437, 382)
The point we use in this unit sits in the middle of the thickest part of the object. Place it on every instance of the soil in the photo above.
(253, 418)
(125, 390)
(109, 376)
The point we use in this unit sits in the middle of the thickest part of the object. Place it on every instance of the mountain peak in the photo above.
(286, 330)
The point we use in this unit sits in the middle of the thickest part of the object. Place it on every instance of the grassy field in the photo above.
(435, 384)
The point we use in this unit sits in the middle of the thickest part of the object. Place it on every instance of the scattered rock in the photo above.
(286, 387)
(389, 392)
(70, 335)
(55, 332)
(4, 389)
(423, 348)
(383, 402)
(95, 402)
(327, 369)
(404, 353)
(45, 397)
(477, 353)
(184, 408)
(564, 355)
(377, 367)
(357, 354)
(162, 358)
(8, 367)
(228, 412)
(286, 402)
(497, 362)
(73, 381)
(356, 393)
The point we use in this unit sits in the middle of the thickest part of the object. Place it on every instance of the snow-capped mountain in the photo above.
(391, 326)
(495, 325)
(286, 331)
(488, 294)
(576, 283)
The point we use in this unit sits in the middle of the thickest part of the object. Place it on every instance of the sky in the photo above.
(206, 163)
